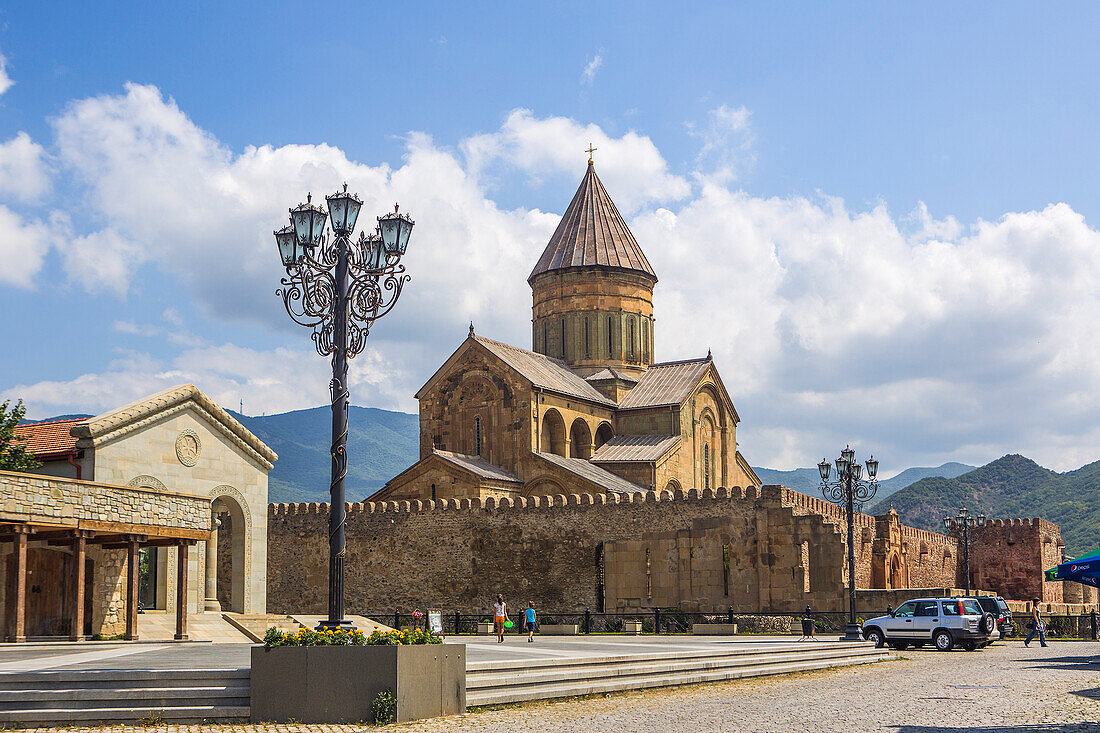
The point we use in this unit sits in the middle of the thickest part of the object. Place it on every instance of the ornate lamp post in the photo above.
(339, 288)
(850, 490)
(963, 522)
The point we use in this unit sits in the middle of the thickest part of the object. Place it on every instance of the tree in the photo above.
(13, 454)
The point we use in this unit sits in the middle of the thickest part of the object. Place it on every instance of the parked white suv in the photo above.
(944, 622)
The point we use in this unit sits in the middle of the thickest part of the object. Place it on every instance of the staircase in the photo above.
(494, 683)
(30, 699)
(255, 625)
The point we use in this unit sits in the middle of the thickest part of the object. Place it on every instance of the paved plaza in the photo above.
(1003, 688)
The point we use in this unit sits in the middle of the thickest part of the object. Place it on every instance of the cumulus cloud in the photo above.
(923, 339)
(24, 174)
(589, 74)
(630, 164)
(23, 246)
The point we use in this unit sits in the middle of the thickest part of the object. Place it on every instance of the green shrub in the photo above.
(384, 708)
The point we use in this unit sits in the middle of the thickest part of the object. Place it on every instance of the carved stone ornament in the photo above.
(188, 447)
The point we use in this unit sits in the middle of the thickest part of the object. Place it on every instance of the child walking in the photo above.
(529, 621)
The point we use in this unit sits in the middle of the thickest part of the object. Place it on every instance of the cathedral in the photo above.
(588, 410)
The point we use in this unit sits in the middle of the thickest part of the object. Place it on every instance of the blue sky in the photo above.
(879, 216)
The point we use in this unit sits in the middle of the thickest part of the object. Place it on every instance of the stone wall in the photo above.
(555, 550)
(1010, 555)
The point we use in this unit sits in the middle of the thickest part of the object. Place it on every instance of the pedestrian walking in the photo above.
(500, 615)
(1036, 625)
(529, 618)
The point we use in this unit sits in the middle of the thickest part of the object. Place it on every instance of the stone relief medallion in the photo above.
(188, 447)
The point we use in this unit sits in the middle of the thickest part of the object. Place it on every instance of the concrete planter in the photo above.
(486, 627)
(560, 629)
(632, 627)
(338, 684)
(714, 629)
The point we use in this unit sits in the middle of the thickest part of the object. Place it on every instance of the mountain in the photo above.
(381, 444)
(1011, 486)
(808, 480)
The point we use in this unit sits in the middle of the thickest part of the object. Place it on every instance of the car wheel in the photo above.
(969, 646)
(874, 635)
(988, 623)
(900, 645)
(943, 640)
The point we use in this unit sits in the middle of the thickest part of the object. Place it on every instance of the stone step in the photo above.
(195, 714)
(150, 697)
(489, 688)
(255, 625)
(624, 668)
(120, 679)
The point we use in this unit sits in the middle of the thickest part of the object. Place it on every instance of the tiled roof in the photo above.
(594, 474)
(609, 373)
(478, 466)
(544, 372)
(665, 384)
(645, 448)
(44, 438)
(592, 232)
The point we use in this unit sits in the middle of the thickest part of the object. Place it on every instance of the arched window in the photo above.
(477, 436)
(706, 466)
(645, 343)
(433, 492)
(632, 339)
(563, 338)
(545, 345)
(610, 347)
(587, 353)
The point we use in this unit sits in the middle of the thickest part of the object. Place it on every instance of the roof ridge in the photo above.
(36, 423)
(680, 361)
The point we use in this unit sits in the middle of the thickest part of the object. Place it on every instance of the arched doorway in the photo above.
(604, 433)
(229, 558)
(581, 437)
(895, 573)
(553, 433)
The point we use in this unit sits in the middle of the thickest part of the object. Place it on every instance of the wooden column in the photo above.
(181, 591)
(132, 568)
(17, 629)
(80, 547)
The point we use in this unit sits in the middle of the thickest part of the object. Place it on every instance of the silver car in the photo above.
(945, 622)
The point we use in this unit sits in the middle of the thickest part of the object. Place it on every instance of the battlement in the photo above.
(522, 502)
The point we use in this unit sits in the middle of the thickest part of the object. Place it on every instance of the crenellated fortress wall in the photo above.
(767, 548)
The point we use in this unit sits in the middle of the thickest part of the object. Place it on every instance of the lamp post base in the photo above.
(341, 625)
(852, 632)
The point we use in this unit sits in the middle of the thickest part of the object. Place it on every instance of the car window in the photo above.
(906, 610)
(928, 608)
(1002, 605)
(950, 608)
(972, 607)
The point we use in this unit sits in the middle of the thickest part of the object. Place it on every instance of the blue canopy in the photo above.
(1084, 569)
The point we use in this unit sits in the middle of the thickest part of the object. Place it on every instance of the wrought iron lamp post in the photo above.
(339, 288)
(963, 521)
(850, 490)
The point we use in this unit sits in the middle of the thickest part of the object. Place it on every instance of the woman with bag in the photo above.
(500, 617)
(1036, 625)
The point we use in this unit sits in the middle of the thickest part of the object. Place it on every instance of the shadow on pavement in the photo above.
(1084, 661)
(1093, 694)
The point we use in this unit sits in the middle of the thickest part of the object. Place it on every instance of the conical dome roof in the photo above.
(592, 233)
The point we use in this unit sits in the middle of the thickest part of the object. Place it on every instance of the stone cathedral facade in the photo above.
(588, 409)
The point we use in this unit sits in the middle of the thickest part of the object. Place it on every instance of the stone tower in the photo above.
(593, 290)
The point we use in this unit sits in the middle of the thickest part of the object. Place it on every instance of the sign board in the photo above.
(435, 622)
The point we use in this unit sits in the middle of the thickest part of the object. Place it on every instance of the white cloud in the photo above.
(919, 338)
(630, 165)
(23, 246)
(589, 74)
(24, 174)
(5, 80)
(726, 151)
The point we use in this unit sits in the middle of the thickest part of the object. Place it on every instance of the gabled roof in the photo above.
(607, 374)
(592, 232)
(665, 384)
(51, 437)
(642, 448)
(544, 372)
(478, 466)
(116, 423)
(593, 474)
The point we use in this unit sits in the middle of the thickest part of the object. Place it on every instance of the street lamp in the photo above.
(339, 289)
(850, 490)
(963, 522)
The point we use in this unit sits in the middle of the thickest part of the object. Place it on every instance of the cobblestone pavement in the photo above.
(1003, 688)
